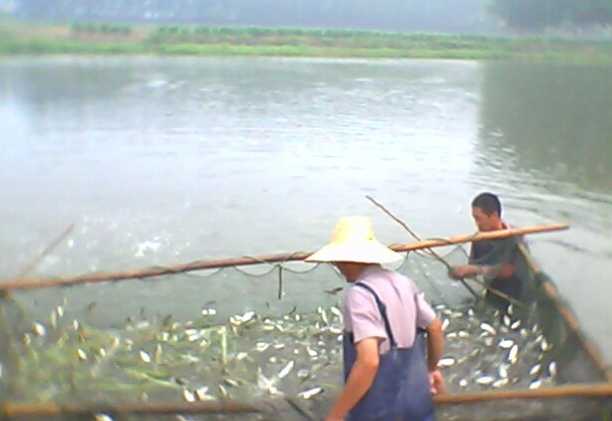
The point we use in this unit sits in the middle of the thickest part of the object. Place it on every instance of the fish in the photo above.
(188, 395)
(446, 362)
(311, 352)
(535, 384)
(506, 343)
(336, 311)
(145, 356)
(485, 380)
(286, 370)
(307, 394)
(535, 370)
(445, 324)
(500, 382)
(39, 329)
(545, 345)
(102, 417)
(81, 354)
(303, 373)
(261, 346)
(515, 325)
(463, 382)
(231, 382)
(202, 395)
(503, 371)
(552, 369)
(60, 311)
(507, 321)
(512, 354)
(488, 328)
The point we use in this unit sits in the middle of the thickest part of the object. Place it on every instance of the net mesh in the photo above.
(272, 332)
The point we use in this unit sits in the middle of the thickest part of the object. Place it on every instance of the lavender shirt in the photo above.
(406, 308)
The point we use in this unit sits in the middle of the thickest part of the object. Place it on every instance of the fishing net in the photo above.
(270, 334)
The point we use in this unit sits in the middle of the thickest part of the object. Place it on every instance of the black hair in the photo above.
(488, 202)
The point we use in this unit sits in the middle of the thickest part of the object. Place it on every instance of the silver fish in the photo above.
(506, 343)
(513, 353)
(535, 384)
(503, 371)
(39, 329)
(488, 328)
(261, 346)
(307, 394)
(286, 370)
(81, 354)
(552, 369)
(485, 380)
(535, 370)
(500, 382)
(445, 324)
(463, 382)
(515, 325)
(188, 396)
(446, 362)
(202, 395)
(102, 417)
(145, 357)
(231, 382)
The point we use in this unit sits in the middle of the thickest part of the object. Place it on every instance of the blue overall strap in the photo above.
(383, 312)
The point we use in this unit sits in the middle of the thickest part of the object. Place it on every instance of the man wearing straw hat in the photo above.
(387, 376)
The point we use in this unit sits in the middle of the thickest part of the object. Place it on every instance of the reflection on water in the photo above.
(167, 160)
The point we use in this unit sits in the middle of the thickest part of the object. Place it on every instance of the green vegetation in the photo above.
(106, 38)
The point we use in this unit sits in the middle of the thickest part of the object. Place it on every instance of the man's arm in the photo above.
(359, 380)
(435, 348)
(435, 344)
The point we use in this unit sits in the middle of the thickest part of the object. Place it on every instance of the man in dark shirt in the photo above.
(496, 260)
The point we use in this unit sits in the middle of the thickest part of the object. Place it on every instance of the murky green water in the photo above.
(160, 160)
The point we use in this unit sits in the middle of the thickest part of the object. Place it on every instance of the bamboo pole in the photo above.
(568, 317)
(16, 410)
(595, 390)
(89, 278)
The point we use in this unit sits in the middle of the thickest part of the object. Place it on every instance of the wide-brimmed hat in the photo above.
(353, 241)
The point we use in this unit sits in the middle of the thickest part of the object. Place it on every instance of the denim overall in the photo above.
(401, 389)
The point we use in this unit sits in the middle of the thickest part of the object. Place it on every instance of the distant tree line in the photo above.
(395, 15)
(538, 14)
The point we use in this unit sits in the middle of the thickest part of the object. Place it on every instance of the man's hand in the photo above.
(436, 382)
(466, 271)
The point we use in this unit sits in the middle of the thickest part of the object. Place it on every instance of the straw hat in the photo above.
(353, 241)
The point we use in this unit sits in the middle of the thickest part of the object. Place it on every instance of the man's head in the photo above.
(486, 211)
(353, 247)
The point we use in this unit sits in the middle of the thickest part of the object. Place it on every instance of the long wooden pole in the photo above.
(16, 410)
(597, 390)
(88, 278)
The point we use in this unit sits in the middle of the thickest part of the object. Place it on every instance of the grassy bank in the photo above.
(105, 38)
